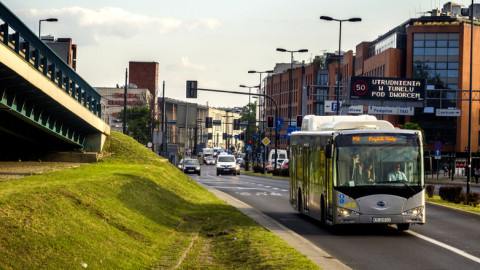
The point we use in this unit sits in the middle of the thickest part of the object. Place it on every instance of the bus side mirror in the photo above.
(329, 151)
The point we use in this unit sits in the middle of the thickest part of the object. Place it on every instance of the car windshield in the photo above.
(191, 162)
(226, 159)
(366, 160)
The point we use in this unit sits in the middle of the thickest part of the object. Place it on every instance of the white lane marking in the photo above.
(453, 249)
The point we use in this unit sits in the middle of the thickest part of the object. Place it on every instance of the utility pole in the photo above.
(125, 104)
(164, 147)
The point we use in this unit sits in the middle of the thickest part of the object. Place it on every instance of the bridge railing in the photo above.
(21, 40)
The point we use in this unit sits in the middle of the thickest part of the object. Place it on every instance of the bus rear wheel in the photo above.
(299, 202)
(323, 209)
(403, 226)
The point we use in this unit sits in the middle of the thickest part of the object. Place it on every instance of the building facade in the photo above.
(64, 48)
(113, 103)
(435, 47)
(198, 135)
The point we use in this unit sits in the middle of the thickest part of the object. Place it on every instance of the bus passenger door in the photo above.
(329, 171)
(306, 177)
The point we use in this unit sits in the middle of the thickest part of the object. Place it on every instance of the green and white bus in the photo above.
(357, 169)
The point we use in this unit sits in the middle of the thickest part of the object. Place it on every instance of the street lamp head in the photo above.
(303, 50)
(52, 20)
(252, 71)
(269, 71)
(241, 85)
(355, 19)
(281, 50)
(326, 18)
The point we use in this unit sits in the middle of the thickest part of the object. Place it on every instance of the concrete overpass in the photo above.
(45, 106)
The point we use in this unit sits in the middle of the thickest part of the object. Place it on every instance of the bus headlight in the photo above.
(414, 211)
(343, 212)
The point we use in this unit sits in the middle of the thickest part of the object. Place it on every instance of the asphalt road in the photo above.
(449, 240)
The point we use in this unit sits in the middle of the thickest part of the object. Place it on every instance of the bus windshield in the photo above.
(378, 159)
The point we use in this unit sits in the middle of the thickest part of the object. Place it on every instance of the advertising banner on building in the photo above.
(387, 91)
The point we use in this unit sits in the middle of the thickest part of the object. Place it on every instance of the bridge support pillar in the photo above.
(94, 142)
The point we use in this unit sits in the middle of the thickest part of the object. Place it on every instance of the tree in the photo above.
(249, 115)
(139, 122)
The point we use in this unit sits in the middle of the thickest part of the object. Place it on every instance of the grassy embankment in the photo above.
(131, 210)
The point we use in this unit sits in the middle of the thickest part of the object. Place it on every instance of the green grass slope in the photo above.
(131, 210)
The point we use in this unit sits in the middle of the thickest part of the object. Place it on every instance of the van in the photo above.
(282, 155)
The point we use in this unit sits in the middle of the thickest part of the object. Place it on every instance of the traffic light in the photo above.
(191, 89)
(242, 136)
(224, 136)
(236, 124)
(250, 142)
(270, 121)
(299, 121)
(210, 136)
(208, 122)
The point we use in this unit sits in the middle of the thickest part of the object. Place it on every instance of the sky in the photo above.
(215, 42)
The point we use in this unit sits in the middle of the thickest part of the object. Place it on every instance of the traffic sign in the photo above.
(248, 148)
(265, 141)
(438, 144)
(438, 154)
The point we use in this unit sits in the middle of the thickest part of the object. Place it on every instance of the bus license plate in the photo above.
(381, 220)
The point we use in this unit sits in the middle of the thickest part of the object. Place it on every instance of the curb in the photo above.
(317, 255)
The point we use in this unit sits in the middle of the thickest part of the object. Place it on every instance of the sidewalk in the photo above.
(443, 179)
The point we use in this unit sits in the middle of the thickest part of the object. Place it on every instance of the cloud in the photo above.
(207, 23)
(91, 26)
(186, 63)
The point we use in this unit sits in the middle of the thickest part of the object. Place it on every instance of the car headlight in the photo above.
(343, 212)
(414, 211)
(197, 168)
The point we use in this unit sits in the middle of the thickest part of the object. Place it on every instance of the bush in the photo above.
(258, 169)
(280, 172)
(451, 193)
(472, 199)
(430, 190)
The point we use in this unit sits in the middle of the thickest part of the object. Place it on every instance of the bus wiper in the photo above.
(413, 190)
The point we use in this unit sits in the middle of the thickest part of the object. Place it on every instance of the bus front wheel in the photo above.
(323, 218)
(403, 226)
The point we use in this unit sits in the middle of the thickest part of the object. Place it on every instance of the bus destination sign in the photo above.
(387, 89)
(374, 139)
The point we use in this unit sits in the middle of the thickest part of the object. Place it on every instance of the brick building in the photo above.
(435, 47)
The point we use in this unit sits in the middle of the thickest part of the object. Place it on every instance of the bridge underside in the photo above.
(33, 124)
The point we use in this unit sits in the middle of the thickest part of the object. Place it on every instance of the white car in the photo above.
(227, 164)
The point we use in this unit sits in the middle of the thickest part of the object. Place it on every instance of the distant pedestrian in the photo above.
(475, 174)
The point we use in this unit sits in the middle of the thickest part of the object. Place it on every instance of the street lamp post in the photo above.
(469, 158)
(248, 121)
(326, 18)
(290, 80)
(263, 109)
(40, 24)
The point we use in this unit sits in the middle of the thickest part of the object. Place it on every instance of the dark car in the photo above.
(209, 161)
(241, 162)
(191, 166)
